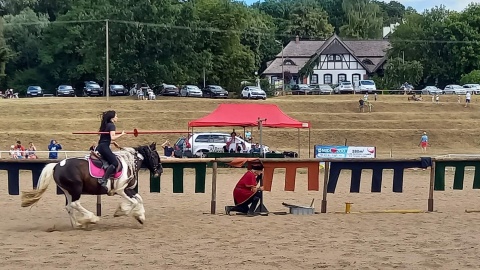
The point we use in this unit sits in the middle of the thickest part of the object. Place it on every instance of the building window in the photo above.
(342, 78)
(334, 58)
(355, 79)
(327, 79)
(314, 79)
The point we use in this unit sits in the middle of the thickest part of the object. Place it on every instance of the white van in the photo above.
(201, 143)
(365, 86)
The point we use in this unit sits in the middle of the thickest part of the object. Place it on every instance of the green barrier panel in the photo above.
(200, 177)
(459, 174)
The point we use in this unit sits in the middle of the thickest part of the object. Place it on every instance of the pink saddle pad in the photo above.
(99, 172)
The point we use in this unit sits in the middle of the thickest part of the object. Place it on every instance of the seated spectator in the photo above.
(255, 148)
(361, 107)
(12, 152)
(140, 94)
(19, 150)
(31, 151)
(93, 147)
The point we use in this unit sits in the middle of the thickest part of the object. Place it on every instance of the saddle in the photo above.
(101, 163)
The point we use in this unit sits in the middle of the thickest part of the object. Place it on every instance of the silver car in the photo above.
(344, 87)
(473, 88)
(432, 90)
(190, 91)
(455, 89)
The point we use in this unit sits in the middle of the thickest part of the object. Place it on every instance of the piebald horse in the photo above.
(76, 176)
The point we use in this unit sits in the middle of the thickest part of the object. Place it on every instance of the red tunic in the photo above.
(241, 193)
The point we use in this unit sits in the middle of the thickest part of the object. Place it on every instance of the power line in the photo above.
(253, 31)
(54, 22)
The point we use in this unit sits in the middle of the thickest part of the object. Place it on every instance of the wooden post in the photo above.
(325, 183)
(213, 202)
(432, 184)
(99, 205)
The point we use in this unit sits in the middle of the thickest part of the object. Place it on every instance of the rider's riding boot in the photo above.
(108, 172)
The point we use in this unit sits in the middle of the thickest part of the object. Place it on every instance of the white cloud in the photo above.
(421, 5)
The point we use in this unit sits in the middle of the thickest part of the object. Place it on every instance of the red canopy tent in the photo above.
(249, 115)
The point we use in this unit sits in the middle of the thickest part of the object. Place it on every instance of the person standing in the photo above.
(424, 142)
(53, 147)
(468, 96)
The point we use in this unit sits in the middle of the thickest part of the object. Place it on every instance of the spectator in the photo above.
(12, 152)
(468, 96)
(424, 142)
(93, 147)
(437, 99)
(19, 150)
(31, 151)
(167, 149)
(248, 136)
(255, 148)
(361, 107)
(53, 147)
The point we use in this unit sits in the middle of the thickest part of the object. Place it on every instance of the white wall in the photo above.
(335, 73)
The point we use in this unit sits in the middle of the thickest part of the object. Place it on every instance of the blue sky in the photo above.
(421, 5)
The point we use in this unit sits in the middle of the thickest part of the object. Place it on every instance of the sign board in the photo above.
(341, 151)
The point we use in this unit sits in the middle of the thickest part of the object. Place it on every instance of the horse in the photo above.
(76, 176)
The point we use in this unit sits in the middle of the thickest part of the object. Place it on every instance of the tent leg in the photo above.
(298, 137)
(309, 138)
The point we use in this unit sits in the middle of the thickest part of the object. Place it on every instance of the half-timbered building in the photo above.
(331, 61)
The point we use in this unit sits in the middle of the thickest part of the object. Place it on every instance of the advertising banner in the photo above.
(341, 151)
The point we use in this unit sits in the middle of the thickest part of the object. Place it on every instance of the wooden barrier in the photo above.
(330, 179)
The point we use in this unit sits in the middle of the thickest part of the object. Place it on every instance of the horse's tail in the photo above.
(46, 177)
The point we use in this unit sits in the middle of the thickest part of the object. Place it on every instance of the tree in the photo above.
(309, 20)
(472, 77)
(364, 20)
(398, 71)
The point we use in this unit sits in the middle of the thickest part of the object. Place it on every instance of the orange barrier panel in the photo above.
(290, 174)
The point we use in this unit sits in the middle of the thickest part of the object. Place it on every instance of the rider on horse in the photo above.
(108, 125)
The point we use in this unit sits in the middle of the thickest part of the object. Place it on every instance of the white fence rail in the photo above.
(44, 154)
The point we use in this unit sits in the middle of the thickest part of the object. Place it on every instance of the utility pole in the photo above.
(283, 75)
(204, 77)
(107, 62)
(260, 127)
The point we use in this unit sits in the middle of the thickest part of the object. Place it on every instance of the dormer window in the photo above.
(334, 58)
(288, 62)
(367, 62)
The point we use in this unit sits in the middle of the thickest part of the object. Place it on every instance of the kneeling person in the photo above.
(246, 194)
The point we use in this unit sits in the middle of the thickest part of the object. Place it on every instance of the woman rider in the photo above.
(108, 125)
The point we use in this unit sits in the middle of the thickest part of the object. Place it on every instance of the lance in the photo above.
(136, 132)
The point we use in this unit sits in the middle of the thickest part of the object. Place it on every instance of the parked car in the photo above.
(325, 89)
(35, 91)
(301, 89)
(432, 90)
(190, 91)
(473, 88)
(92, 88)
(253, 92)
(201, 143)
(65, 91)
(366, 86)
(118, 90)
(454, 89)
(214, 91)
(169, 90)
(344, 87)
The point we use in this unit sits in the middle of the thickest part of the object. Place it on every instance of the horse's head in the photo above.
(151, 158)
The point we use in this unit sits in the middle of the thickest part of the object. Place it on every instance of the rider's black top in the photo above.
(106, 138)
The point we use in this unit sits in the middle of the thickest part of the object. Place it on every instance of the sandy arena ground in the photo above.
(180, 234)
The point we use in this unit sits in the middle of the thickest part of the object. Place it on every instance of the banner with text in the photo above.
(341, 151)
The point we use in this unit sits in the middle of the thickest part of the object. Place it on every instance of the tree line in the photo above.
(52, 42)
